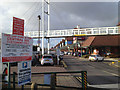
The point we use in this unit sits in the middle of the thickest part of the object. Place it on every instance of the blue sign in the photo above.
(69, 42)
(24, 65)
(24, 72)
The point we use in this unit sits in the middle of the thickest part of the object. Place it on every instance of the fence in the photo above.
(54, 80)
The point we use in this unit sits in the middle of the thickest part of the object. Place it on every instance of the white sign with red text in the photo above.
(16, 48)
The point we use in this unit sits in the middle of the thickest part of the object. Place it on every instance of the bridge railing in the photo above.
(75, 32)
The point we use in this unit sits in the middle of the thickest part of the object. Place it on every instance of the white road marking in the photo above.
(106, 86)
(111, 73)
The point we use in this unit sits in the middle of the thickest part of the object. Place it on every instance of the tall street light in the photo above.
(39, 18)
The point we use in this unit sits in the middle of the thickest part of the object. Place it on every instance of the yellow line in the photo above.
(80, 79)
(64, 64)
(80, 35)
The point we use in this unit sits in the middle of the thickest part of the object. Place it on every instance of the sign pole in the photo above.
(9, 82)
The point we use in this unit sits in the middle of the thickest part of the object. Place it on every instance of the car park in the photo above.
(96, 58)
(47, 59)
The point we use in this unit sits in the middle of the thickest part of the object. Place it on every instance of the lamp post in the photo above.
(39, 18)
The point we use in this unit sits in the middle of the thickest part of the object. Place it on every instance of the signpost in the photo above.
(24, 72)
(17, 48)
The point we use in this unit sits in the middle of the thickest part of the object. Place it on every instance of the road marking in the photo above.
(80, 80)
(111, 64)
(106, 86)
(111, 73)
(64, 64)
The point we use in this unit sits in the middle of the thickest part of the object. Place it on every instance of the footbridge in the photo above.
(75, 32)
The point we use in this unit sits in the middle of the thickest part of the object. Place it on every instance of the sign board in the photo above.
(24, 72)
(47, 78)
(69, 42)
(18, 26)
(65, 42)
(16, 48)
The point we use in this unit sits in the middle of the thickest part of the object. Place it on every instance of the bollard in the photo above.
(53, 81)
(84, 80)
(13, 80)
(34, 86)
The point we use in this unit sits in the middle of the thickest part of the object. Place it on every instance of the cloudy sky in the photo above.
(63, 15)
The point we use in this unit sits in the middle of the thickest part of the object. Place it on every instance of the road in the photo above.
(100, 74)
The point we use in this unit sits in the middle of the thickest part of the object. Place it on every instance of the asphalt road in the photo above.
(100, 74)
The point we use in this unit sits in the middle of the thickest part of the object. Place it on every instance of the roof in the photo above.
(88, 42)
(102, 41)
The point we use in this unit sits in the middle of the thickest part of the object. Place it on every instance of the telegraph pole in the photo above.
(43, 27)
(48, 13)
(39, 34)
(48, 26)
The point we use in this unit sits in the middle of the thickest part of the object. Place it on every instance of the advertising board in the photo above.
(18, 26)
(16, 48)
(65, 42)
(24, 72)
(69, 42)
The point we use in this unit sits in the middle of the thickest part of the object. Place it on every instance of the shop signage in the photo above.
(69, 42)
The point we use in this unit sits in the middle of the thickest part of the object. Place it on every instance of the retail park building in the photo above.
(105, 44)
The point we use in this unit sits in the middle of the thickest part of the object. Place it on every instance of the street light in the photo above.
(39, 33)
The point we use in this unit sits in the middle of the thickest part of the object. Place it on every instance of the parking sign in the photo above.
(24, 72)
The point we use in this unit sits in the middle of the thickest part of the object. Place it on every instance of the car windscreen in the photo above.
(92, 55)
(47, 57)
(98, 55)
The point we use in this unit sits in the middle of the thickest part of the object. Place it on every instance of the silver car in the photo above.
(96, 58)
(47, 59)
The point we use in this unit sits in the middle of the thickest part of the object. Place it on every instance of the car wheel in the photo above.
(102, 60)
(96, 60)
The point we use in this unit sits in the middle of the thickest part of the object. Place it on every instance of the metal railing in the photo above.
(55, 79)
(76, 32)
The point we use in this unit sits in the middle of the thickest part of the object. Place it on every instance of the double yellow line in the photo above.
(80, 79)
(64, 64)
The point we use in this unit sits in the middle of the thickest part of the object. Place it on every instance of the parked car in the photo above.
(96, 58)
(47, 59)
(75, 54)
(69, 53)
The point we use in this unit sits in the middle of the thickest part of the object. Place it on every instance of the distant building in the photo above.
(104, 44)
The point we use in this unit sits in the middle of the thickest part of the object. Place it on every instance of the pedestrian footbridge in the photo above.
(75, 32)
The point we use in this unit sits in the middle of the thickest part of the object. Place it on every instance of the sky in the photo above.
(63, 15)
